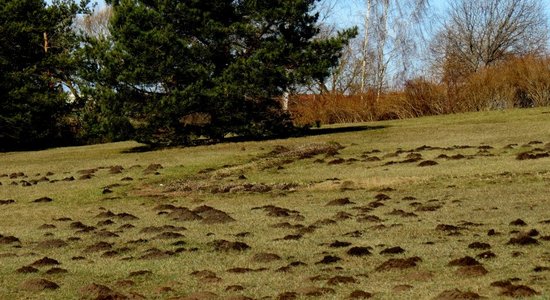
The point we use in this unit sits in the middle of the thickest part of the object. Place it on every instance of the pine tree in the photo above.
(179, 70)
(36, 42)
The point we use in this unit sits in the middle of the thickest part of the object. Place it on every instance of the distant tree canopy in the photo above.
(177, 70)
(36, 45)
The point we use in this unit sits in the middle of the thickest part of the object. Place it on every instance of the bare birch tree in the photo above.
(392, 30)
(481, 33)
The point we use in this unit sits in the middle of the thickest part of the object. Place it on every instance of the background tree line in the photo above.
(409, 61)
(173, 72)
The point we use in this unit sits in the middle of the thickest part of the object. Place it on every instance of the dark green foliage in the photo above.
(179, 70)
(33, 105)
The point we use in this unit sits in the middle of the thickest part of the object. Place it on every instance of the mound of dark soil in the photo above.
(45, 261)
(52, 244)
(140, 273)
(99, 291)
(8, 239)
(115, 169)
(522, 240)
(152, 168)
(55, 270)
(486, 255)
(532, 155)
(47, 226)
(399, 263)
(126, 217)
(155, 253)
(518, 291)
(464, 261)
(38, 284)
(97, 247)
(457, 294)
(479, 245)
(339, 244)
(427, 163)
(315, 291)
(169, 235)
(340, 202)
(358, 294)
(518, 222)
(265, 257)
(211, 215)
(471, 271)
(274, 211)
(183, 214)
(329, 259)
(359, 251)
(393, 250)
(26, 270)
(445, 227)
(338, 280)
(43, 200)
(223, 245)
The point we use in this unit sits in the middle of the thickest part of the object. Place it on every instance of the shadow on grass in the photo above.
(238, 139)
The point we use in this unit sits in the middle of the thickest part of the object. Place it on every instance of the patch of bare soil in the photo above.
(457, 294)
(6, 202)
(223, 245)
(38, 284)
(399, 263)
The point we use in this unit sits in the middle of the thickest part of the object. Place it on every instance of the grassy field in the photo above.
(446, 207)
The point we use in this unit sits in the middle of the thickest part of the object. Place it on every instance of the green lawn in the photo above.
(257, 218)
